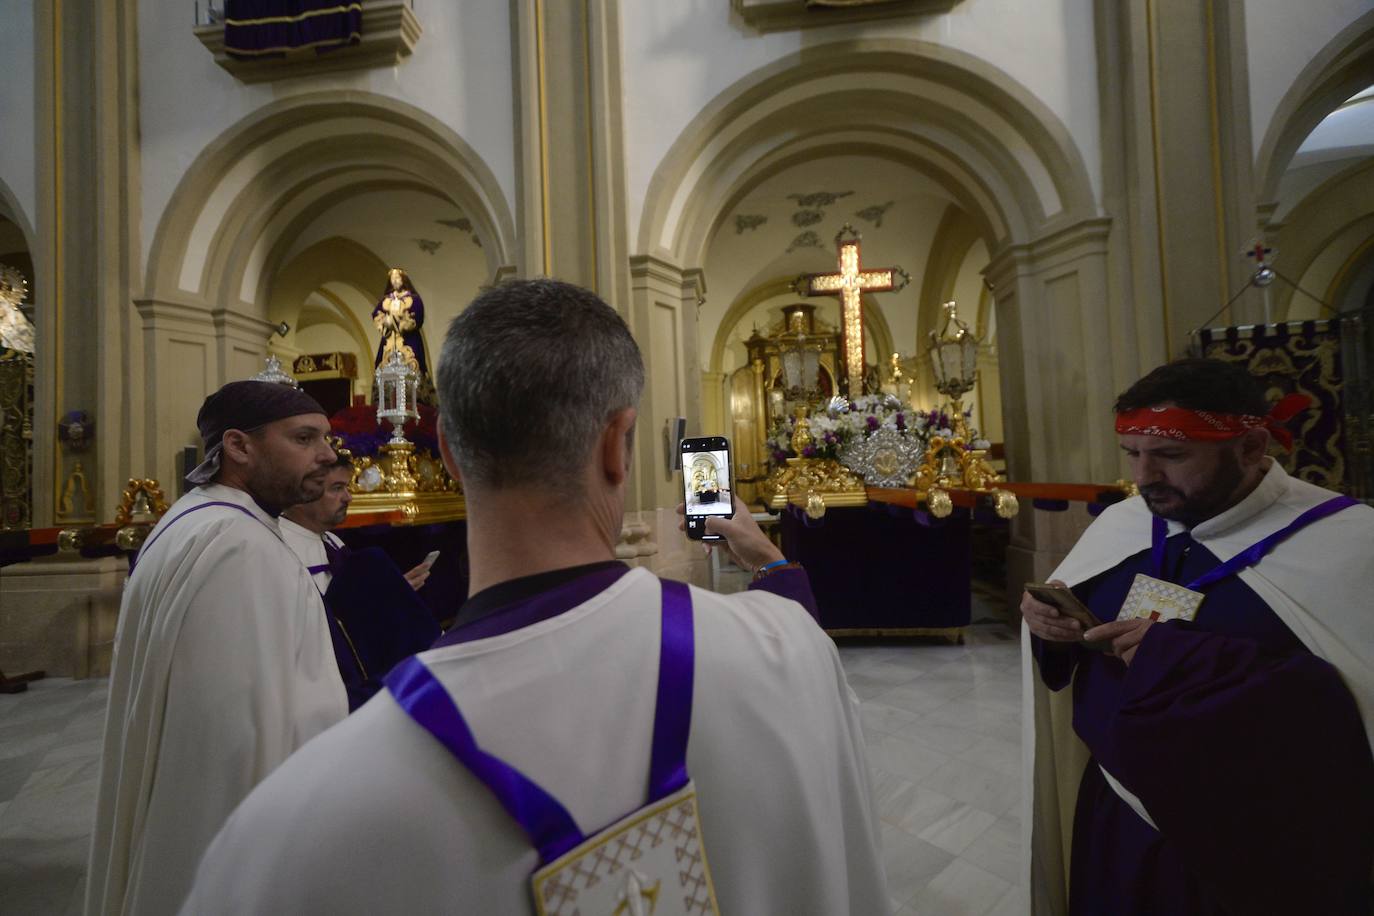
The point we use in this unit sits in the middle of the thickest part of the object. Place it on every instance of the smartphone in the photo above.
(1064, 601)
(431, 557)
(706, 485)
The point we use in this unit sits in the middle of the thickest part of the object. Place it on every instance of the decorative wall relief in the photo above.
(818, 198)
(748, 222)
(462, 223)
(428, 246)
(807, 217)
(874, 213)
(807, 239)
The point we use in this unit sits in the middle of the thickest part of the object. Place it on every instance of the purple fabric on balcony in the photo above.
(270, 28)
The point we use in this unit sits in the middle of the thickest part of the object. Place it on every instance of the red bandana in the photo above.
(1182, 423)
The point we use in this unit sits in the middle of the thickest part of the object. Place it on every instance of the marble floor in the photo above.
(942, 724)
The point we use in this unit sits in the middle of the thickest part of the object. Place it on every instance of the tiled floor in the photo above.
(942, 724)
(49, 763)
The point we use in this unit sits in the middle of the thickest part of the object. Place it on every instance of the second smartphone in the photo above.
(706, 483)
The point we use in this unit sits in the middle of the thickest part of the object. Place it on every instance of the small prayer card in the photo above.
(1155, 599)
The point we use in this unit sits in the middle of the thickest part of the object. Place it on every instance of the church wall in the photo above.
(678, 57)
(17, 146)
(460, 72)
(1282, 39)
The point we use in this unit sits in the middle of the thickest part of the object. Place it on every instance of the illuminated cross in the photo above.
(850, 283)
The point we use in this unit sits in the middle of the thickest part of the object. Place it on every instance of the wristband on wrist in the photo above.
(766, 568)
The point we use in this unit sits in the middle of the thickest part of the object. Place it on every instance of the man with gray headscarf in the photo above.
(222, 661)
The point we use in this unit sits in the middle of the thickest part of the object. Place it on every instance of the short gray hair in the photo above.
(529, 375)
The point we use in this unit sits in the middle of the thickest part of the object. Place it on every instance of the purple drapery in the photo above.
(267, 28)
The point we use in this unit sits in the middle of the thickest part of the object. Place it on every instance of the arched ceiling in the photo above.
(1344, 139)
(417, 230)
(786, 225)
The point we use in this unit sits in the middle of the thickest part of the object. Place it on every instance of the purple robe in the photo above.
(1247, 750)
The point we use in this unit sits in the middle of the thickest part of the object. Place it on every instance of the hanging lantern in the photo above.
(954, 356)
(396, 384)
(801, 362)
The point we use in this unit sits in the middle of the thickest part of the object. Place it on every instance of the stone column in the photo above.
(663, 317)
(1055, 330)
(87, 254)
(571, 184)
(1177, 168)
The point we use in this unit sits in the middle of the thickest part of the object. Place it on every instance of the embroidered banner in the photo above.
(1302, 357)
(266, 28)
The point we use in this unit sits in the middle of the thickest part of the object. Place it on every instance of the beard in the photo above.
(276, 491)
(1214, 496)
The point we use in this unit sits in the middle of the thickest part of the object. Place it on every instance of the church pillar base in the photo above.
(58, 615)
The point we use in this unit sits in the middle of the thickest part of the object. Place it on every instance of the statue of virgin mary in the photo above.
(399, 316)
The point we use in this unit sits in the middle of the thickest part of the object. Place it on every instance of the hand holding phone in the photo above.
(706, 484)
(1058, 629)
(429, 559)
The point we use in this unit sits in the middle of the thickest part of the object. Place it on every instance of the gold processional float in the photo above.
(911, 452)
(403, 484)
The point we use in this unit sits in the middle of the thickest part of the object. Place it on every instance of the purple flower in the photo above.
(901, 421)
(872, 423)
(779, 456)
(809, 452)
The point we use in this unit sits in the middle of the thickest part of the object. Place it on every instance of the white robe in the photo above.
(309, 546)
(222, 667)
(1319, 582)
(375, 816)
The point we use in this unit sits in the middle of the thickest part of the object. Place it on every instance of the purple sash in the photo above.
(548, 824)
(154, 538)
(1251, 555)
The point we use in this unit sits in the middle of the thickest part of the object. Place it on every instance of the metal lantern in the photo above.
(954, 356)
(801, 362)
(396, 384)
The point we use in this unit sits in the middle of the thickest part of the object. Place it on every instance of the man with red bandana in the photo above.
(1213, 755)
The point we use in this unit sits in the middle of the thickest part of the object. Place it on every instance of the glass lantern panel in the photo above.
(970, 356)
(792, 368)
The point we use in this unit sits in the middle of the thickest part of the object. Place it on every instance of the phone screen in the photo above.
(706, 483)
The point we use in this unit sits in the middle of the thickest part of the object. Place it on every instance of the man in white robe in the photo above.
(554, 660)
(1230, 764)
(222, 661)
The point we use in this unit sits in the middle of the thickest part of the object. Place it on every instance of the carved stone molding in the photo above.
(389, 33)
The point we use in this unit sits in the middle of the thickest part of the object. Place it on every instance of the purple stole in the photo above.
(546, 822)
(1159, 532)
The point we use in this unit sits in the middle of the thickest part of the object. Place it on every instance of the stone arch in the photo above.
(955, 237)
(1341, 69)
(1324, 241)
(946, 113)
(334, 259)
(231, 218)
